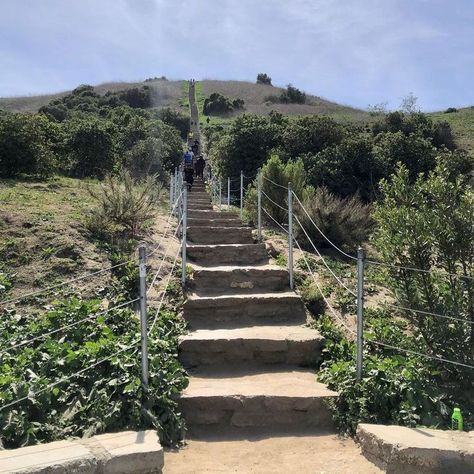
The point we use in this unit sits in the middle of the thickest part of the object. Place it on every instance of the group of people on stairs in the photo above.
(193, 166)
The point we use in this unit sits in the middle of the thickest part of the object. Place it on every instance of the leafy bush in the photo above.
(310, 135)
(312, 299)
(347, 168)
(396, 388)
(176, 119)
(450, 110)
(125, 204)
(96, 398)
(28, 145)
(217, 104)
(244, 145)
(292, 95)
(428, 225)
(282, 174)
(346, 222)
(263, 78)
(146, 158)
(90, 147)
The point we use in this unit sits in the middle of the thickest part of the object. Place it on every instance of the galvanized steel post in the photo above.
(259, 204)
(183, 238)
(220, 194)
(241, 193)
(360, 312)
(290, 234)
(171, 192)
(143, 316)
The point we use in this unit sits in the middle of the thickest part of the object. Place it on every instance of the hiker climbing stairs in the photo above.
(248, 349)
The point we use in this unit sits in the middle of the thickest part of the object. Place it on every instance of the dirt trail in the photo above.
(260, 451)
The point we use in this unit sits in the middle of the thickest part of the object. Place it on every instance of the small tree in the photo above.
(292, 95)
(429, 225)
(263, 78)
(409, 104)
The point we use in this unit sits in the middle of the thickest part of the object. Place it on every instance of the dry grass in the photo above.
(165, 94)
(42, 237)
(254, 96)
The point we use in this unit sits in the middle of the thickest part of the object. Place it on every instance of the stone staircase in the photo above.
(247, 348)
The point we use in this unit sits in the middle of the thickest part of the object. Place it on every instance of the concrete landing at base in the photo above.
(112, 453)
(398, 449)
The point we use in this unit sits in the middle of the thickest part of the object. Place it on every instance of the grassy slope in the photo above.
(165, 93)
(462, 123)
(43, 240)
(254, 96)
(174, 94)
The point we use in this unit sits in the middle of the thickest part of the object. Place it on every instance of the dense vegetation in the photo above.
(217, 104)
(73, 367)
(263, 78)
(85, 134)
(401, 188)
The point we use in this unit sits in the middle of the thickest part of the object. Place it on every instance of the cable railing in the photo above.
(178, 206)
(362, 337)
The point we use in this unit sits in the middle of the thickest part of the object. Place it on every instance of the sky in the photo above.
(355, 52)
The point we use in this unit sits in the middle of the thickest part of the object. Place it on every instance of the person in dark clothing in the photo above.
(189, 177)
(200, 164)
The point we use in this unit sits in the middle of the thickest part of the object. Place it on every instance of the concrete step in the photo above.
(278, 398)
(211, 214)
(217, 222)
(228, 254)
(228, 311)
(240, 279)
(220, 235)
(251, 346)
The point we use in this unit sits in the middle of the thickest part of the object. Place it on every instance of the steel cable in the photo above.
(322, 258)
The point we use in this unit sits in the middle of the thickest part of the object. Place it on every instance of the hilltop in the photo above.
(173, 94)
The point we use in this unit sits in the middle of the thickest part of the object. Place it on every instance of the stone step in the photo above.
(277, 398)
(251, 346)
(211, 214)
(228, 311)
(191, 200)
(240, 279)
(228, 254)
(217, 222)
(207, 206)
(220, 235)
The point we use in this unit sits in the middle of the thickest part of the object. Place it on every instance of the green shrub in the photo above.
(105, 398)
(146, 158)
(217, 104)
(282, 174)
(428, 225)
(28, 145)
(176, 119)
(292, 95)
(90, 147)
(346, 222)
(125, 204)
(263, 78)
(312, 299)
(396, 388)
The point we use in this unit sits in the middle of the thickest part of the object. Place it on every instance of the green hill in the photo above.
(462, 124)
(165, 93)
